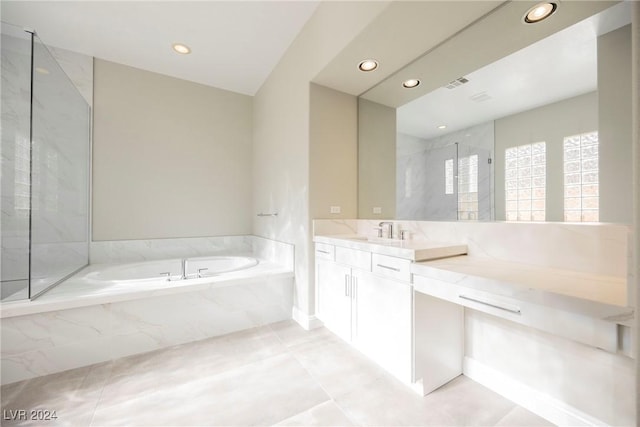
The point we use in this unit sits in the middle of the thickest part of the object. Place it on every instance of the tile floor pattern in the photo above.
(273, 375)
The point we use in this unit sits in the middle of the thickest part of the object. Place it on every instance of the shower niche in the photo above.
(45, 169)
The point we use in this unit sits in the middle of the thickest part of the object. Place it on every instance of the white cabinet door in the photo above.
(382, 322)
(334, 303)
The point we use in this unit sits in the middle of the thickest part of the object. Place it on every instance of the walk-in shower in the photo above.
(45, 169)
(446, 178)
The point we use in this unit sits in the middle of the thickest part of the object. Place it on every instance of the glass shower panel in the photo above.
(14, 222)
(59, 174)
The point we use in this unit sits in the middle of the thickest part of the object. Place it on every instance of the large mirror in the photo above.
(533, 128)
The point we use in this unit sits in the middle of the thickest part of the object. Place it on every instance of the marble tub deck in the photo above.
(277, 374)
(77, 292)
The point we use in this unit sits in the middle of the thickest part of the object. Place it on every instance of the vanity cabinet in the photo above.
(333, 300)
(382, 328)
(371, 312)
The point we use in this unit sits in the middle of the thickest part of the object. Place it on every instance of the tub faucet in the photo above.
(183, 268)
(390, 224)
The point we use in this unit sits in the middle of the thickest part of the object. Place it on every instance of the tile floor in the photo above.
(274, 375)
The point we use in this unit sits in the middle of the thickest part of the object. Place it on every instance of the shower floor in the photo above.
(276, 374)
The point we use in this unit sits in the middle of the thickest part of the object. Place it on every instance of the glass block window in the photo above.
(581, 187)
(526, 182)
(468, 188)
(448, 176)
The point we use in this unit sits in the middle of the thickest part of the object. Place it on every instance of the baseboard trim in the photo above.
(306, 321)
(541, 404)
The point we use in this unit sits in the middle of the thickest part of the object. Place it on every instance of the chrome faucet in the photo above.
(183, 268)
(390, 224)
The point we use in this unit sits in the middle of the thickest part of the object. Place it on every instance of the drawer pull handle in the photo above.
(388, 268)
(323, 252)
(511, 310)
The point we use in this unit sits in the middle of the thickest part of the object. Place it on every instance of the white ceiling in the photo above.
(235, 44)
(558, 67)
(404, 31)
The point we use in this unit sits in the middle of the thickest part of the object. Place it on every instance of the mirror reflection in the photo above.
(543, 134)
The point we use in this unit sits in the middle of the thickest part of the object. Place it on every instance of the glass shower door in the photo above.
(59, 174)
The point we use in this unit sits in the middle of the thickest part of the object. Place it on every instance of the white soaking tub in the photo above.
(171, 270)
(107, 311)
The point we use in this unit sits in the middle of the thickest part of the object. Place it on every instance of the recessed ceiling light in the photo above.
(411, 83)
(539, 12)
(442, 127)
(368, 65)
(181, 48)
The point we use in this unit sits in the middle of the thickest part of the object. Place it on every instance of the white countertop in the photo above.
(413, 250)
(603, 297)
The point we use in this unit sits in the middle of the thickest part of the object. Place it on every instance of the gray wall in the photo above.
(550, 123)
(171, 158)
(333, 150)
(614, 89)
(376, 159)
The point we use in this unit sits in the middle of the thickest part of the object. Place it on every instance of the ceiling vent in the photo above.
(457, 82)
(480, 97)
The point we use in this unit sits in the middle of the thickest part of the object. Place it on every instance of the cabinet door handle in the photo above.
(388, 268)
(346, 285)
(354, 290)
(499, 307)
(351, 286)
(323, 252)
(355, 296)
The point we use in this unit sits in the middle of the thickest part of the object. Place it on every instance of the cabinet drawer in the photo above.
(354, 258)
(325, 251)
(391, 267)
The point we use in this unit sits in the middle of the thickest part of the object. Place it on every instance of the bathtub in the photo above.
(107, 311)
(171, 270)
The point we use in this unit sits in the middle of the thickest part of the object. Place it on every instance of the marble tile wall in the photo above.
(420, 174)
(120, 251)
(274, 251)
(79, 68)
(44, 343)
